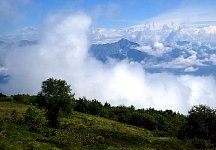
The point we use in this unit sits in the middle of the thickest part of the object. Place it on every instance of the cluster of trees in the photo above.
(56, 98)
(199, 126)
(164, 123)
(19, 98)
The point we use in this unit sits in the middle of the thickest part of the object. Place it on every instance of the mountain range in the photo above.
(178, 49)
(183, 58)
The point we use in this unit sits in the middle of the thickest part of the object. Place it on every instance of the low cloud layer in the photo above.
(62, 52)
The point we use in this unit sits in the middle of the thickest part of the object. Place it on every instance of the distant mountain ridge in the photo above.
(122, 49)
(176, 48)
(173, 48)
(183, 58)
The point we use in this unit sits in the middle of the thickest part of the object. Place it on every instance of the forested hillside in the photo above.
(54, 119)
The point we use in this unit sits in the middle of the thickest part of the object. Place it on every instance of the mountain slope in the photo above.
(80, 131)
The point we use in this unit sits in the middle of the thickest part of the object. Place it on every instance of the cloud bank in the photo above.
(62, 52)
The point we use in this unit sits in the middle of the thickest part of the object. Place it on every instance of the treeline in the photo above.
(19, 98)
(198, 127)
(164, 123)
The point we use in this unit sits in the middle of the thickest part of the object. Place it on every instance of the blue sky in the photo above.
(15, 14)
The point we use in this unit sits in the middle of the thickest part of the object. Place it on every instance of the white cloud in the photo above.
(182, 62)
(210, 29)
(186, 15)
(29, 33)
(3, 71)
(145, 48)
(213, 58)
(191, 69)
(63, 53)
(158, 45)
(157, 49)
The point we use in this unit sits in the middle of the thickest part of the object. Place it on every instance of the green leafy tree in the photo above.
(95, 107)
(55, 96)
(200, 124)
(200, 120)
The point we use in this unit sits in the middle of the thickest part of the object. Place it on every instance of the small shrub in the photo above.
(35, 119)
(16, 118)
(6, 99)
(24, 99)
(201, 143)
(159, 133)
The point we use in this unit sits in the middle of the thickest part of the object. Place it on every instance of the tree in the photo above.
(82, 105)
(55, 95)
(201, 124)
(2, 95)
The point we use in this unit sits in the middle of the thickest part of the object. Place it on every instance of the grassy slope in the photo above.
(81, 131)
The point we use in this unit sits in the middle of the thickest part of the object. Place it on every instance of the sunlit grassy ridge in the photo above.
(79, 131)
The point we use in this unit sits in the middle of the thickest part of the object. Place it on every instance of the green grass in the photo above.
(79, 132)
(6, 108)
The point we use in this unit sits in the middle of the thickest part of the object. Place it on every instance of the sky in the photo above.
(62, 51)
(15, 14)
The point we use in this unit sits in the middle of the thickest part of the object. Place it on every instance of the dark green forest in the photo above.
(47, 117)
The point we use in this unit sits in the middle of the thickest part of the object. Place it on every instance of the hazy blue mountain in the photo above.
(122, 49)
(162, 48)
(24, 43)
(183, 58)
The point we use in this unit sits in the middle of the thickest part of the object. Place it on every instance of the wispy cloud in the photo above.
(106, 14)
(10, 12)
(187, 15)
(106, 10)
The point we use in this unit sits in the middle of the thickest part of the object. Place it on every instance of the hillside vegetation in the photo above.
(54, 119)
(77, 131)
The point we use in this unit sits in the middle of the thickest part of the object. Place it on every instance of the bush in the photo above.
(201, 144)
(2, 95)
(35, 119)
(16, 117)
(6, 99)
(24, 99)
